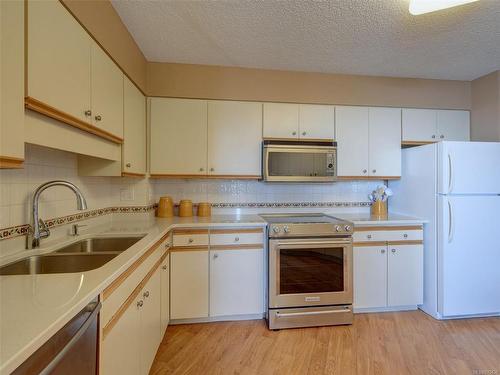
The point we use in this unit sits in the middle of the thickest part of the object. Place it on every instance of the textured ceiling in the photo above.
(369, 37)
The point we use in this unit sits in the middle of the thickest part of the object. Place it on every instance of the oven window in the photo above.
(299, 164)
(311, 270)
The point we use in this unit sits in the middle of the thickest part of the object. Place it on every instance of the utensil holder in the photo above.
(379, 209)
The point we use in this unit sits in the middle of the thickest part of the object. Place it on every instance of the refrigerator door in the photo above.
(469, 168)
(468, 255)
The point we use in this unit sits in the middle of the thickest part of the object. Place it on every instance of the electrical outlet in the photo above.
(127, 194)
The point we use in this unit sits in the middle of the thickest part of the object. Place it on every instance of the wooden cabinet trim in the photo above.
(131, 174)
(211, 176)
(235, 231)
(410, 242)
(11, 162)
(386, 243)
(387, 227)
(188, 248)
(49, 111)
(416, 143)
(190, 231)
(121, 310)
(256, 246)
(120, 279)
(369, 177)
(369, 244)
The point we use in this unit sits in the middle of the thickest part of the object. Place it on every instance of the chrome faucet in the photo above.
(39, 229)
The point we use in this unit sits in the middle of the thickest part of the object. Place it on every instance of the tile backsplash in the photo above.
(44, 164)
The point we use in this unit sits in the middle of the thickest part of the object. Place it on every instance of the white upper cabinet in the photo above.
(234, 138)
(430, 125)
(385, 142)
(453, 125)
(58, 59)
(134, 128)
(352, 141)
(281, 120)
(316, 122)
(107, 93)
(178, 136)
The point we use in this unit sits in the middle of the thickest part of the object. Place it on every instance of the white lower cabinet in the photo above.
(387, 276)
(236, 282)
(131, 344)
(189, 284)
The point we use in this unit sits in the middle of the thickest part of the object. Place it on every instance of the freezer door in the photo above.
(468, 255)
(469, 168)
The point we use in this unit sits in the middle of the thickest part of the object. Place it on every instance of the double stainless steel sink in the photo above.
(80, 256)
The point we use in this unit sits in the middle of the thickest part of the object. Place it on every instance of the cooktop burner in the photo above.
(306, 225)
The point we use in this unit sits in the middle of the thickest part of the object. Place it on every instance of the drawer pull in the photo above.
(369, 236)
(190, 240)
(140, 303)
(164, 267)
(236, 239)
(393, 250)
(146, 294)
(405, 235)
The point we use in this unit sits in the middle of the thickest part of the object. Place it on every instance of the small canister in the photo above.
(165, 207)
(204, 209)
(185, 208)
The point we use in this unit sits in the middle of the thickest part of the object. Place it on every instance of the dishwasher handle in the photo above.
(94, 307)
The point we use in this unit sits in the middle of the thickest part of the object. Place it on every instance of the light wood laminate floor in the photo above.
(385, 343)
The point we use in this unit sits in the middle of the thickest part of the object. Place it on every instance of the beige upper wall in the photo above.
(101, 20)
(485, 99)
(216, 82)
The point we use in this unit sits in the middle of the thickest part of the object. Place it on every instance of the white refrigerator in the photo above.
(456, 187)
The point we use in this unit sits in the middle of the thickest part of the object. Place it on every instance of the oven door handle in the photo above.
(314, 243)
(281, 315)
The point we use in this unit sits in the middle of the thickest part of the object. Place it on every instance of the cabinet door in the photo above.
(405, 275)
(58, 59)
(385, 142)
(178, 136)
(107, 93)
(189, 284)
(352, 141)
(281, 120)
(134, 129)
(120, 349)
(150, 321)
(165, 295)
(316, 122)
(370, 276)
(453, 125)
(234, 138)
(419, 125)
(236, 282)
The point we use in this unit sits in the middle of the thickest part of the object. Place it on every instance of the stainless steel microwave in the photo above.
(299, 161)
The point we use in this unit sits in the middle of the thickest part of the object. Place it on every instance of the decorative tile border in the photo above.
(22, 230)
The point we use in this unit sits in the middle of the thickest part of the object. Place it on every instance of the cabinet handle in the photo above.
(140, 303)
(128, 165)
(190, 240)
(382, 251)
(164, 267)
(369, 236)
(294, 133)
(201, 169)
(167, 245)
(304, 133)
(405, 235)
(374, 171)
(212, 169)
(433, 136)
(236, 239)
(88, 113)
(441, 136)
(216, 256)
(146, 294)
(393, 250)
(364, 171)
(98, 118)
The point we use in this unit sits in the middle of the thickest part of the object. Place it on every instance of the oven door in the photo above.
(310, 272)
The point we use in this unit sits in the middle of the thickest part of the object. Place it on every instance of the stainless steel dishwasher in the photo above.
(72, 350)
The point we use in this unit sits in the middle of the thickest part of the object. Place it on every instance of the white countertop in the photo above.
(34, 307)
(391, 219)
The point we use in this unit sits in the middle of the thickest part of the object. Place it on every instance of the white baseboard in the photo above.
(224, 318)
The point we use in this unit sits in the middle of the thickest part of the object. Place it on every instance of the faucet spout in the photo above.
(39, 230)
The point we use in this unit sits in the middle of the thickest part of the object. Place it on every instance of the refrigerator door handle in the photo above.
(450, 174)
(450, 222)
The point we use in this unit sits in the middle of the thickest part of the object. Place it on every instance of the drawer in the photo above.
(237, 239)
(388, 235)
(190, 239)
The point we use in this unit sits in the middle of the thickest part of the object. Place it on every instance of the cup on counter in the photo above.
(185, 208)
(165, 207)
(204, 209)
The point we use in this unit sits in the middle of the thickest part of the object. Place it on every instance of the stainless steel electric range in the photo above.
(309, 270)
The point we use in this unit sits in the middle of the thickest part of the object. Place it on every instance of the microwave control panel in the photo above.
(330, 164)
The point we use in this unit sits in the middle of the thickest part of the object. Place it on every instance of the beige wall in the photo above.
(101, 20)
(216, 82)
(485, 115)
